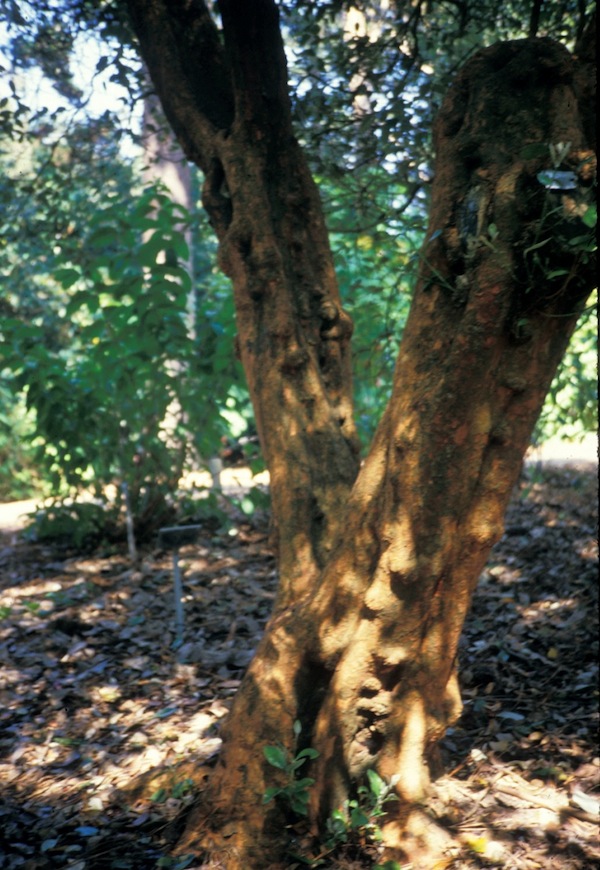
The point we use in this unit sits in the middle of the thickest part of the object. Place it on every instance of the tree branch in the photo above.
(182, 49)
(258, 64)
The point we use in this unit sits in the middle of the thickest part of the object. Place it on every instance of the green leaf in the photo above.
(182, 788)
(536, 149)
(67, 277)
(304, 783)
(104, 236)
(308, 753)
(270, 793)
(590, 216)
(584, 243)
(247, 506)
(376, 783)
(276, 756)
(299, 804)
(358, 819)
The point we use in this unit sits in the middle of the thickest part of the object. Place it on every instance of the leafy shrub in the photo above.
(571, 406)
(108, 396)
(76, 525)
(356, 822)
(18, 475)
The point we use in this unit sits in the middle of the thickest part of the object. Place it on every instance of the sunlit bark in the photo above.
(376, 577)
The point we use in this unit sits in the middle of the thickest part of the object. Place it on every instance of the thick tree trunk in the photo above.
(376, 578)
(368, 664)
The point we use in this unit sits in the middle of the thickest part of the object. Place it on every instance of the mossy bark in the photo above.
(377, 570)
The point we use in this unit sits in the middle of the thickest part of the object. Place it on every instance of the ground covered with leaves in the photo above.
(107, 723)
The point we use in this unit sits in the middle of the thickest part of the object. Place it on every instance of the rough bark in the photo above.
(376, 581)
(229, 106)
(487, 328)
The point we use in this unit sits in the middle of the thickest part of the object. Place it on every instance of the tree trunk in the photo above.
(165, 162)
(293, 333)
(377, 577)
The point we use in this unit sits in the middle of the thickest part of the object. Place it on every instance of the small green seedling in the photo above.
(355, 821)
(178, 791)
(358, 816)
(295, 792)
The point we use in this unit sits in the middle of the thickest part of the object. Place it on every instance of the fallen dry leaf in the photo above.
(100, 710)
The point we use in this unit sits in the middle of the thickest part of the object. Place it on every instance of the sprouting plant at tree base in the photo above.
(355, 821)
(295, 793)
(358, 816)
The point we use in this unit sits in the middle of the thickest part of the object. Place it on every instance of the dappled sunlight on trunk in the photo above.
(378, 565)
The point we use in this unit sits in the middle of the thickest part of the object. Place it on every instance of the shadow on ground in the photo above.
(95, 695)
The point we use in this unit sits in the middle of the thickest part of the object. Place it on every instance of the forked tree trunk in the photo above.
(376, 578)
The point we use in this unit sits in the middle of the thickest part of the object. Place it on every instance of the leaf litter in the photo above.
(108, 726)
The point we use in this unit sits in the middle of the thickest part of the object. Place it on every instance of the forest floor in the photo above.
(104, 720)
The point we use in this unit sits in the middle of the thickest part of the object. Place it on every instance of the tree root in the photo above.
(414, 837)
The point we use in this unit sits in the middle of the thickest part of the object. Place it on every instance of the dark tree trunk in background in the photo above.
(377, 571)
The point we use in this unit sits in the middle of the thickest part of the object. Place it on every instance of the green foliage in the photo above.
(571, 407)
(178, 790)
(253, 501)
(105, 378)
(18, 475)
(99, 350)
(355, 822)
(358, 818)
(376, 269)
(102, 395)
(205, 510)
(76, 524)
(294, 794)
